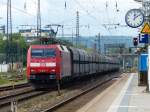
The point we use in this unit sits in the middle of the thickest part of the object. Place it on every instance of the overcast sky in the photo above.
(93, 13)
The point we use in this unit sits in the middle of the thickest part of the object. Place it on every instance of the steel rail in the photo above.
(17, 86)
(66, 101)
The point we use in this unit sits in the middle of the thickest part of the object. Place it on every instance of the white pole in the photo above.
(148, 68)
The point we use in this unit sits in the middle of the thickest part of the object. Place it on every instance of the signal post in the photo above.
(146, 33)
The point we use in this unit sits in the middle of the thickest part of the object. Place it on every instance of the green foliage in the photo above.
(15, 46)
(1, 35)
(20, 46)
(3, 81)
(2, 45)
(8, 78)
(18, 39)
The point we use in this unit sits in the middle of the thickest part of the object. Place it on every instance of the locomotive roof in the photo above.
(43, 46)
(60, 47)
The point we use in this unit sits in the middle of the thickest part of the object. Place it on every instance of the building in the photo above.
(30, 35)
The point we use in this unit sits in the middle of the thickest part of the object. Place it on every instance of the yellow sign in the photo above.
(146, 29)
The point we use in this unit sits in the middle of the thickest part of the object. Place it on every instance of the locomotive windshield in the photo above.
(37, 53)
(49, 53)
(43, 53)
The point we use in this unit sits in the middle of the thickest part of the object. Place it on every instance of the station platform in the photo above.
(123, 96)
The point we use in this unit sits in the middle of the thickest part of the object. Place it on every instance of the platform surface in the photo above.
(123, 96)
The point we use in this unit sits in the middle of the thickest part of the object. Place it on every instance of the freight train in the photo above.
(46, 63)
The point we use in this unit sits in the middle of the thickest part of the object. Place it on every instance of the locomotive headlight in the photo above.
(53, 70)
(32, 71)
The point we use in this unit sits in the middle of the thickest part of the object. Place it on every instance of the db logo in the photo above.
(42, 64)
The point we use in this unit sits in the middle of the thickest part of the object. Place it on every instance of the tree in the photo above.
(17, 48)
(18, 39)
(2, 44)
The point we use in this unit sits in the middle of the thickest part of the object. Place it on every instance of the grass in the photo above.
(3, 81)
(11, 77)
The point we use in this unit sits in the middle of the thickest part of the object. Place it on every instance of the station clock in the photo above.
(134, 18)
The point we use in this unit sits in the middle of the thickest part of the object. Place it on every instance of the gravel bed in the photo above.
(73, 106)
(42, 102)
(15, 91)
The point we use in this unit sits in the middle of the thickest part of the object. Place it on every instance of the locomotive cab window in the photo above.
(43, 53)
(37, 53)
(50, 53)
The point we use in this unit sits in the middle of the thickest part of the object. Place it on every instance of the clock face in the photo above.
(134, 18)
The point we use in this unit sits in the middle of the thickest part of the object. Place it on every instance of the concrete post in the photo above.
(148, 87)
(123, 63)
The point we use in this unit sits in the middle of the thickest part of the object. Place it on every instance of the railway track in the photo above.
(6, 100)
(66, 101)
(13, 94)
(6, 88)
(30, 93)
(18, 92)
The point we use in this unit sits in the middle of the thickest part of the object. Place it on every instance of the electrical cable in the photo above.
(90, 15)
(20, 10)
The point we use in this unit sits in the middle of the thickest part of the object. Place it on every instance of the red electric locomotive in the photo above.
(48, 62)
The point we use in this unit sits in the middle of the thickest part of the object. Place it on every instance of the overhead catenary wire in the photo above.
(93, 17)
(20, 10)
(88, 13)
(107, 16)
(25, 12)
(106, 6)
(66, 4)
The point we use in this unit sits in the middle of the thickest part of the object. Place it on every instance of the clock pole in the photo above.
(135, 20)
(146, 7)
